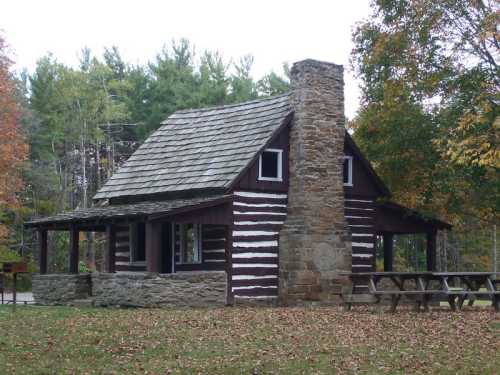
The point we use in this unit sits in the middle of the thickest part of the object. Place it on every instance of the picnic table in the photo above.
(432, 286)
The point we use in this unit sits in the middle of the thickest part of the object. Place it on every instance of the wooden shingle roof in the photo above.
(201, 149)
(127, 211)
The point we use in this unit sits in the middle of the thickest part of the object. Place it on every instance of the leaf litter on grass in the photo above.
(63, 340)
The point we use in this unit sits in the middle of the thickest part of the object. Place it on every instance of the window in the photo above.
(347, 170)
(271, 165)
(190, 243)
(138, 242)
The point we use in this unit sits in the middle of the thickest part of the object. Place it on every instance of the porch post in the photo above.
(388, 251)
(110, 248)
(229, 265)
(431, 251)
(74, 236)
(153, 246)
(42, 243)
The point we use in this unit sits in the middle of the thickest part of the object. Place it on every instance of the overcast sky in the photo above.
(274, 31)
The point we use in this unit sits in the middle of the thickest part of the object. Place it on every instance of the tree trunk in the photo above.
(98, 165)
(495, 260)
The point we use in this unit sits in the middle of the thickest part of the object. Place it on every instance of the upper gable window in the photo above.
(347, 170)
(271, 165)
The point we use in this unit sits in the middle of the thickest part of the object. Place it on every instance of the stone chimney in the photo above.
(314, 242)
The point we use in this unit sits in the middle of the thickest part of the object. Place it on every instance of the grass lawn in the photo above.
(64, 340)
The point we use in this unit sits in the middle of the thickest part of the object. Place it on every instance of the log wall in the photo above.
(360, 216)
(122, 257)
(213, 247)
(257, 220)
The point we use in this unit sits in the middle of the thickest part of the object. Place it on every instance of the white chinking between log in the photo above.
(360, 216)
(258, 217)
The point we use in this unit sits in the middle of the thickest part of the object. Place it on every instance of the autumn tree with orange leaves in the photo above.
(429, 119)
(13, 148)
(430, 116)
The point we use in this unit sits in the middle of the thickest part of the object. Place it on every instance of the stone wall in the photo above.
(60, 289)
(140, 289)
(314, 242)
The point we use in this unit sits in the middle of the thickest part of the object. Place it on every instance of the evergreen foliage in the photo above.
(83, 122)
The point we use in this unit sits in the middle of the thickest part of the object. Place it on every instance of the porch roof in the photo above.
(112, 213)
(394, 218)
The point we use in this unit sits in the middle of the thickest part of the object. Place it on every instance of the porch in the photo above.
(420, 286)
(172, 253)
(392, 219)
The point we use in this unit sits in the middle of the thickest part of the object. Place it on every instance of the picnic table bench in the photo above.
(432, 286)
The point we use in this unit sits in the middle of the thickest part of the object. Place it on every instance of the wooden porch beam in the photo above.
(74, 253)
(153, 246)
(431, 251)
(110, 248)
(388, 240)
(42, 243)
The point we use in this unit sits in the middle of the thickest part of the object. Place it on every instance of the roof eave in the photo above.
(163, 196)
(181, 210)
(97, 222)
(439, 224)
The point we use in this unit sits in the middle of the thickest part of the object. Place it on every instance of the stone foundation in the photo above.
(139, 289)
(133, 289)
(60, 289)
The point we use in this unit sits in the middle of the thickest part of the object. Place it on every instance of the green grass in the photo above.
(64, 340)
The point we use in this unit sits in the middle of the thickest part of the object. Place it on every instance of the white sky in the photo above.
(274, 31)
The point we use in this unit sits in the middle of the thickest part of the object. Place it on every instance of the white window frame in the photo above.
(280, 166)
(197, 240)
(349, 176)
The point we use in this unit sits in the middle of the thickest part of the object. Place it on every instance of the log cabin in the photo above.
(268, 200)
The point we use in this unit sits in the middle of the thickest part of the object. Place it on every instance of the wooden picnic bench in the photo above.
(432, 286)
